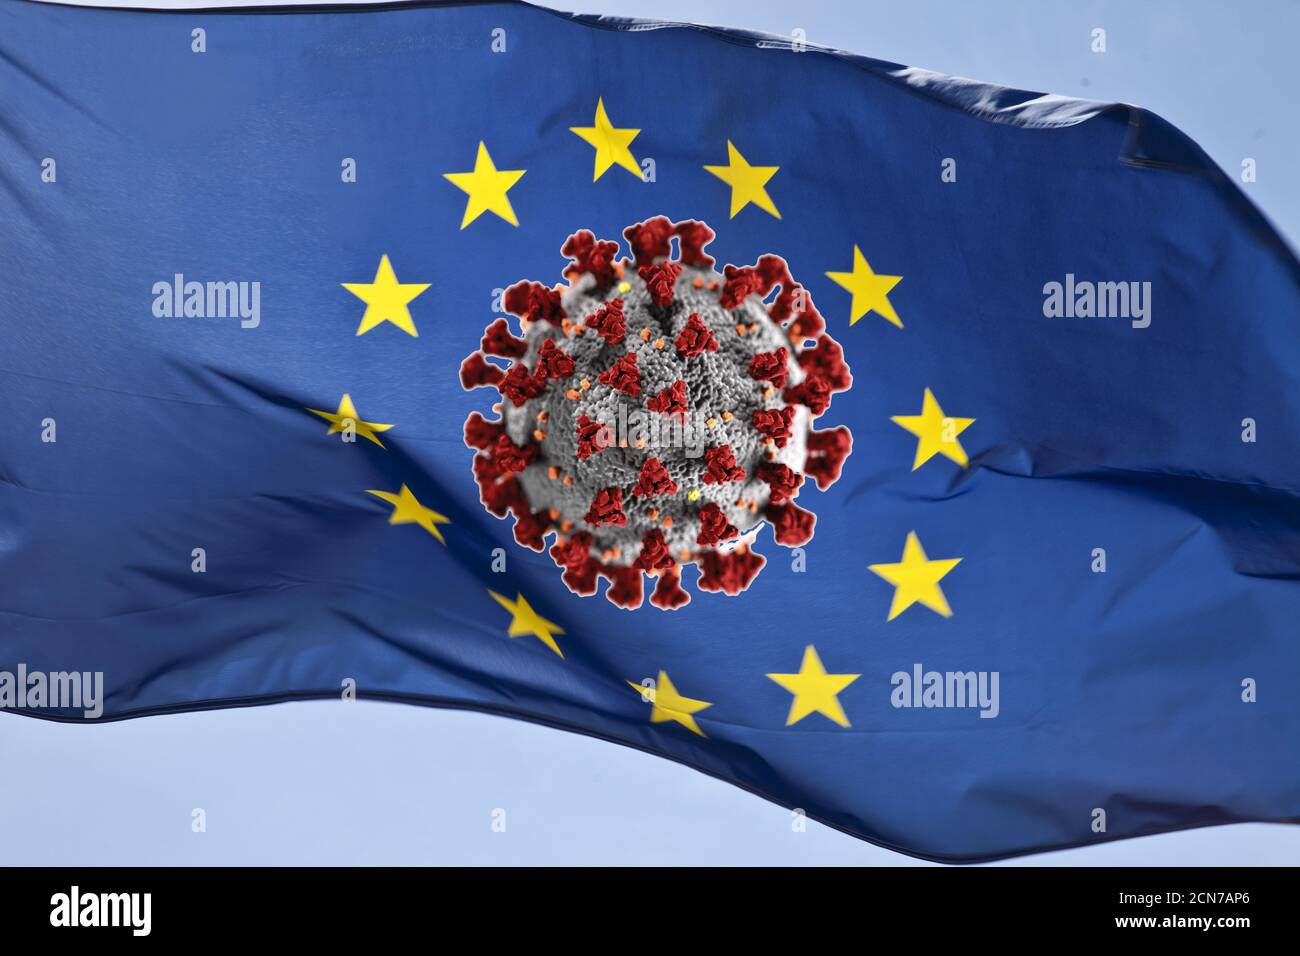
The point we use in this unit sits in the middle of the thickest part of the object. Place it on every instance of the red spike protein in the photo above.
(655, 413)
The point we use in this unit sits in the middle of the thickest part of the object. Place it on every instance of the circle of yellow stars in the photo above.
(915, 577)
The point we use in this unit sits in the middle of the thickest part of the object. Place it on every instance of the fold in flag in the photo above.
(914, 453)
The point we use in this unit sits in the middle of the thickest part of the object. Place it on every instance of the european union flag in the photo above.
(917, 454)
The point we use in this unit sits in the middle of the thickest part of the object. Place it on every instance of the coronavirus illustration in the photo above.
(656, 413)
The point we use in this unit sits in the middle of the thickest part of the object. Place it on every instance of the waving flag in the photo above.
(915, 453)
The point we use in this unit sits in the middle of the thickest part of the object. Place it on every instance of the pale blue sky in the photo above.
(369, 783)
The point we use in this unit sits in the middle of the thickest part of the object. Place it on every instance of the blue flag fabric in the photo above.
(974, 531)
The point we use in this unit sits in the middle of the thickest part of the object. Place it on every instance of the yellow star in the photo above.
(746, 182)
(670, 705)
(386, 299)
(814, 690)
(346, 417)
(916, 578)
(870, 291)
(936, 431)
(526, 621)
(611, 143)
(408, 510)
(487, 187)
